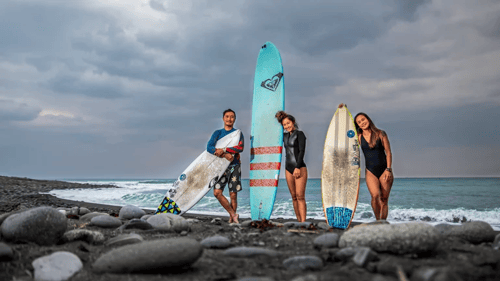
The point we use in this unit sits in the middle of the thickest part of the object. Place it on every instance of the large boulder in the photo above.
(42, 225)
(403, 238)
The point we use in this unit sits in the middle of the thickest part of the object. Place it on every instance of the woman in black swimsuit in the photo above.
(378, 160)
(296, 170)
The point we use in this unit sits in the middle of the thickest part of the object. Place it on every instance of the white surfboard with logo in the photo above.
(195, 181)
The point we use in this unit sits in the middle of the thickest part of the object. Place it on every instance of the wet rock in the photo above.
(136, 224)
(150, 255)
(42, 225)
(77, 211)
(475, 232)
(246, 223)
(404, 238)
(160, 221)
(323, 226)
(6, 253)
(216, 221)
(363, 256)
(496, 243)
(216, 242)
(129, 212)
(88, 217)
(328, 240)
(124, 239)
(244, 252)
(424, 274)
(308, 277)
(445, 228)
(89, 236)
(105, 222)
(255, 278)
(180, 225)
(303, 263)
(296, 224)
(146, 217)
(435, 274)
(344, 254)
(57, 266)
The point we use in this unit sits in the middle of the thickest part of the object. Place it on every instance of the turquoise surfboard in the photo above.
(266, 137)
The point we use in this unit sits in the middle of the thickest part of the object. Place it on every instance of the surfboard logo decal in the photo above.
(182, 177)
(272, 84)
(350, 134)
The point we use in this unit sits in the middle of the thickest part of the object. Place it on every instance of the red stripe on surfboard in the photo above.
(265, 166)
(266, 150)
(269, 182)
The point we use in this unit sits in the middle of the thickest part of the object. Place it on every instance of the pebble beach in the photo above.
(46, 238)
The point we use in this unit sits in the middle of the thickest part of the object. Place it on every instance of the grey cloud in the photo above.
(14, 111)
(67, 84)
(406, 9)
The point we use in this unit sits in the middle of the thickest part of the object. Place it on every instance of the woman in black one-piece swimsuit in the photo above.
(378, 160)
(296, 170)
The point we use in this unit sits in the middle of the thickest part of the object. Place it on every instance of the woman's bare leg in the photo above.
(373, 184)
(385, 189)
(300, 188)
(290, 180)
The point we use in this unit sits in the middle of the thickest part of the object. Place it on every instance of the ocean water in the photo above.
(434, 200)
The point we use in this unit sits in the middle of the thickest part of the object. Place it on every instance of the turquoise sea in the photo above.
(435, 200)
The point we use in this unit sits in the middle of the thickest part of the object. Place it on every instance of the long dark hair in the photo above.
(376, 132)
(281, 115)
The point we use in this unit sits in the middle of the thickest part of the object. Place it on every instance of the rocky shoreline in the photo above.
(46, 238)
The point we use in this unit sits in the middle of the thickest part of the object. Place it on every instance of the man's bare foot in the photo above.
(230, 219)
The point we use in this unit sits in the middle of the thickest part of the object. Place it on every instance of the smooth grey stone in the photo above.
(323, 226)
(345, 254)
(106, 222)
(246, 223)
(84, 211)
(445, 228)
(303, 263)
(328, 240)
(124, 239)
(363, 256)
(150, 255)
(146, 217)
(57, 266)
(424, 274)
(92, 237)
(244, 252)
(131, 212)
(496, 243)
(42, 225)
(403, 238)
(6, 215)
(296, 224)
(216, 242)
(136, 224)
(475, 232)
(6, 253)
(88, 217)
(160, 221)
(180, 225)
(308, 277)
(255, 278)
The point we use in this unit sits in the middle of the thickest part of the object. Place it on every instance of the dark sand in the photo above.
(457, 259)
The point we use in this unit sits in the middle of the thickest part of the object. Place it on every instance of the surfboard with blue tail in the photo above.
(341, 170)
(266, 138)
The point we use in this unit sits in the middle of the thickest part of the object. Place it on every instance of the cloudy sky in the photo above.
(135, 88)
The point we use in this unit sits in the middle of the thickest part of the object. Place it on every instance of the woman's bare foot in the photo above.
(230, 219)
(234, 218)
